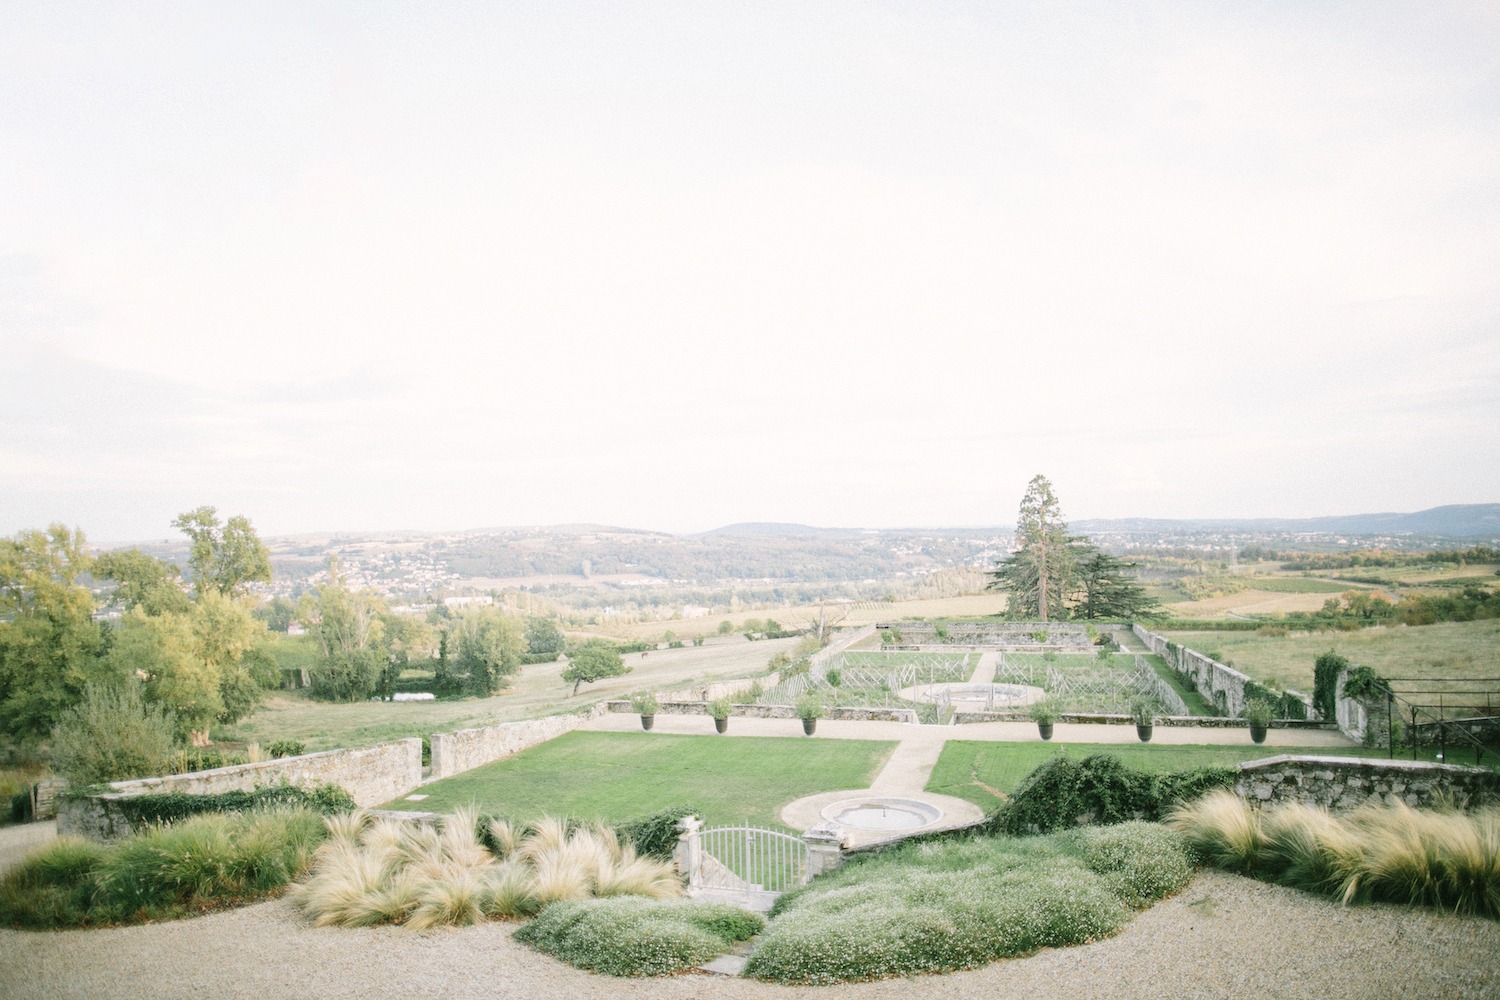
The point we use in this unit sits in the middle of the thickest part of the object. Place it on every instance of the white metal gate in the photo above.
(745, 859)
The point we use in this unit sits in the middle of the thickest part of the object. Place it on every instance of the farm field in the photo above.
(624, 776)
(1447, 649)
(977, 770)
(539, 690)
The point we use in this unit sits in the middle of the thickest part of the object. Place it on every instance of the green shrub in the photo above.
(720, 708)
(202, 864)
(644, 703)
(638, 937)
(1326, 670)
(1098, 789)
(933, 907)
(112, 734)
(286, 748)
(1140, 862)
(655, 836)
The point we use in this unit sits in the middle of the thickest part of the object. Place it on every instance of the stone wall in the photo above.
(1344, 783)
(371, 776)
(1209, 676)
(456, 752)
(1099, 718)
(1016, 636)
(838, 713)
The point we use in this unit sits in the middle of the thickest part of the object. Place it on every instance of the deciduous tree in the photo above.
(593, 661)
(224, 556)
(50, 646)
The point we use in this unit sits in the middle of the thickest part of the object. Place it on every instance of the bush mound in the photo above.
(206, 863)
(944, 905)
(1098, 789)
(373, 871)
(1395, 854)
(113, 733)
(631, 936)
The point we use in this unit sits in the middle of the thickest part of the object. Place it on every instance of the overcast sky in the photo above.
(379, 266)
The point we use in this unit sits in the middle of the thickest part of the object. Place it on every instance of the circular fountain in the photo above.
(881, 814)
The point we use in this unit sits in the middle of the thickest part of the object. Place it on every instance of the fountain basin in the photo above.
(881, 814)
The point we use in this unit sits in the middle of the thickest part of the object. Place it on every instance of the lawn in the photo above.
(976, 770)
(624, 776)
(1448, 649)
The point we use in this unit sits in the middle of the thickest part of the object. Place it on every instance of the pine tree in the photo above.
(1040, 574)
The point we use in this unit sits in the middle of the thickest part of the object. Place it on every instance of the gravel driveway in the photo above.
(1223, 937)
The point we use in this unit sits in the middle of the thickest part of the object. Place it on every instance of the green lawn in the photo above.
(976, 770)
(624, 776)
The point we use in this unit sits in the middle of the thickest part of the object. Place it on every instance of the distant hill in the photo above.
(773, 529)
(1472, 520)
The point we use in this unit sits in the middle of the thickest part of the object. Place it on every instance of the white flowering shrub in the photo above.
(632, 936)
(940, 906)
(1141, 862)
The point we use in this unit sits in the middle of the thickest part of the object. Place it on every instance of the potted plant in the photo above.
(1044, 714)
(810, 710)
(644, 702)
(1259, 714)
(1144, 714)
(720, 709)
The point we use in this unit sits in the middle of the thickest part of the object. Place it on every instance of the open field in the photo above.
(1249, 604)
(1448, 649)
(539, 690)
(624, 776)
(976, 770)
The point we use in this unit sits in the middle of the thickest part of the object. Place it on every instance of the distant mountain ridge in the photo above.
(1469, 520)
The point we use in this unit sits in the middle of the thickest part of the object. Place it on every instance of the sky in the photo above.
(377, 266)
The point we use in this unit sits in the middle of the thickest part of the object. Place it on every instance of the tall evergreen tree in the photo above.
(1109, 590)
(1039, 575)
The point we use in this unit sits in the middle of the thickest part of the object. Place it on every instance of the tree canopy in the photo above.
(1039, 574)
(224, 556)
(593, 661)
(1055, 575)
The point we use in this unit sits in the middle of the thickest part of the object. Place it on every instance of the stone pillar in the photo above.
(689, 850)
(825, 849)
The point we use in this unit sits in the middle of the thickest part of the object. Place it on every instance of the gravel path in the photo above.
(1223, 937)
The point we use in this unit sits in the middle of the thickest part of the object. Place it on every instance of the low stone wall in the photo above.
(456, 752)
(1210, 677)
(1195, 721)
(1344, 783)
(837, 713)
(1017, 636)
(371, 776)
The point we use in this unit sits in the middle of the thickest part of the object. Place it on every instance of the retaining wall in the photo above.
(456, 752)
(371, 776)
(1209, 676)
(834, 714)
(1344, 783)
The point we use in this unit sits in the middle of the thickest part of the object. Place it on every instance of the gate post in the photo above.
(689, 851)
(825, 849)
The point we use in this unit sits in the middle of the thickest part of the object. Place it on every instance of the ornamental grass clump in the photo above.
(939, 906)
(633, 936)
(201, 864)
(374, 871)
(1386, 853)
